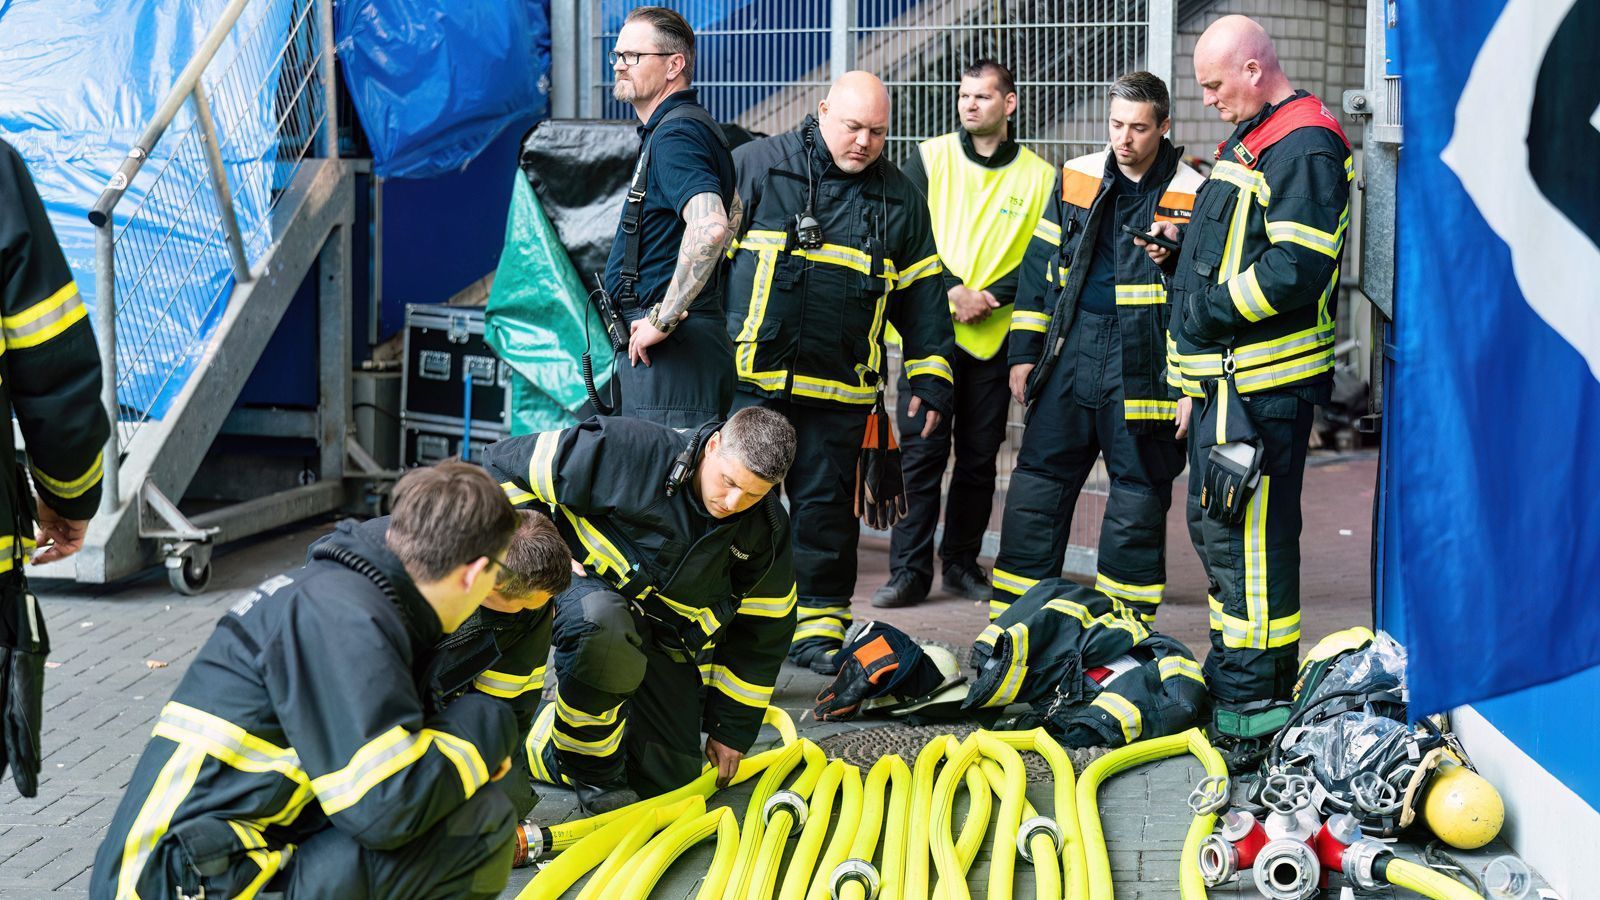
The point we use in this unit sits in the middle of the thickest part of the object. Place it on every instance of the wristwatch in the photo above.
(654, 318)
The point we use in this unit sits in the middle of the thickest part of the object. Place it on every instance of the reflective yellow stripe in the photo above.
(1047, 230)
(538, 738)
(172, 785)
(1180, 667)
(1012, 584)
(1027, 320)
(468, 761)
(1016, 670)
(1233, 250)
(380, 758)
(723, 679)
(1298, 369)
(768, 607)
(604, 746)
(1305, 236)
(577, 718)
(1251, 181)
(1252, 356)
(227, 742)
(700, 615)
(838, 255)
(508, 686)
(76, 487)
(1140, 593)
(1155, 410)
(270, 862)
(542, 466)
(515, 495)
(1255, 564)
(762, 240)
(1236, 632)
(988, 635)
(766, 245)
(1126, 714)
(825, 389)
(997, 608)
(1140, 294)
(1248, 299)
(602, 553)
(930, 365)
(1119, 619)
(919, 270)
(45, 319)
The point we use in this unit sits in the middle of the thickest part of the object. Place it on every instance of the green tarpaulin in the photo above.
(537, 313)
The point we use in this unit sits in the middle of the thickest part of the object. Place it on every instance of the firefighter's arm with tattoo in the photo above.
(708, 228)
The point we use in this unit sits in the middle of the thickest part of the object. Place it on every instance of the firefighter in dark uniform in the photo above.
(837, 245)
(52, 388)
(1254, 292)
(1088, 350)
(303, 752)
(985, 195)
(664, 271)
(688, 591)
(502, 649)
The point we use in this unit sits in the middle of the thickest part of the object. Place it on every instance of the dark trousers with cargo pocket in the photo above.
(975, 431)
(626, 708)
(1075, 416)
(1253, 567)
(467, 854)
(689, 381)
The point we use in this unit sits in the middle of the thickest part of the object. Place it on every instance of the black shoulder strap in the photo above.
(633, 208)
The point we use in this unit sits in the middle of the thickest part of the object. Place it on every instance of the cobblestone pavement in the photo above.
(119, 653)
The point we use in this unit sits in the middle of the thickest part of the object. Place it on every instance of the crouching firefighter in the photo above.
(688, 588)
(303, 754)
(1094, 673)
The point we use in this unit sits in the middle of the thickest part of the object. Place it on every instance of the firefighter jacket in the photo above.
(722, 590)
(1093, 672)
(808, 325)
(52, 371)
(1057, 264)
(984, 211)
(1256, 280)
(308, 706)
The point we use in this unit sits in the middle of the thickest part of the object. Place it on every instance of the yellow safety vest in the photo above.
(982, 219)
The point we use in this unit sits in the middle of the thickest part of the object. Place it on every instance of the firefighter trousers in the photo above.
(977, 429)
(466, 854)
(820, 489)
(690, 378)
(1253, 567)
(623, 709)
(1076, 416)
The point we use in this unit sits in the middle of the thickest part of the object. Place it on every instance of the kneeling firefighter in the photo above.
(688, 585)
(1094, 672)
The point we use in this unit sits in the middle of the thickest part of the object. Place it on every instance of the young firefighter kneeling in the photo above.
(688, 586)
(303, 752)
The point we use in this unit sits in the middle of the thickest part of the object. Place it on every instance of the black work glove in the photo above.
(22, 687)
(1232, 471)
(880, 499)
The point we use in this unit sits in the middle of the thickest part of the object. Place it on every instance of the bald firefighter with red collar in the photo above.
(1250, 348)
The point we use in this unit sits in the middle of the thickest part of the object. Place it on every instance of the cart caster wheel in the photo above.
(187, 576)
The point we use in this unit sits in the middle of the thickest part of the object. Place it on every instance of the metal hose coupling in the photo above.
(1287, 869)
(1359, 864)
(1219, 860)
(788, 800)
(1033, 826)
(858, 870)
(1286, 796)
(533, 842)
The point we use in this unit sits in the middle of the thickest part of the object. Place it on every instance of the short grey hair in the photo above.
(761, 440)
(1143, 87)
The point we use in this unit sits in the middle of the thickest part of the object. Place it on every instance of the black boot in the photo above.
(902, 590)
(967, 580)
(594, 799)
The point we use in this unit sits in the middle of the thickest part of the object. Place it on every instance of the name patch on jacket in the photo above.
(737, 552)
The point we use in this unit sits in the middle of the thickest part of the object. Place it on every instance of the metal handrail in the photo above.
(187, 88)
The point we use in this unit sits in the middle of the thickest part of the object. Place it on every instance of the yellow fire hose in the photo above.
(1406, 874)
(850, 819)
(946, 862)
(1003, 858)
(722, 862)
(782, 811)
(1041, 846)
(915, 885)
(860, 875)
(754, 822)
(819, 815)
(645, 827)
(553, 880)
(1121, 759)
(976, 824)
(1074, 877)
(896, 831)
(652, 860)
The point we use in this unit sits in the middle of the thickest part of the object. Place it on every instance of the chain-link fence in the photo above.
(764, 64)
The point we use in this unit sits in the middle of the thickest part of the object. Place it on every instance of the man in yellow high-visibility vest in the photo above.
(985, 195)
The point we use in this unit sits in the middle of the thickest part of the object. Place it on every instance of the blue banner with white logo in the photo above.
(1494, 413)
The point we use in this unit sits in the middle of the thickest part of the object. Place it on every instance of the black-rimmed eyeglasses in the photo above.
(631, 57)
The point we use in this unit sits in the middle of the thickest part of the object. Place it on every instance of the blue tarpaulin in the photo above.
(1494, 481)
(80, 82)
(435, 83)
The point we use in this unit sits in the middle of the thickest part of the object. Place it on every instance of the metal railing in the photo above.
(765, 66)
(204, 187)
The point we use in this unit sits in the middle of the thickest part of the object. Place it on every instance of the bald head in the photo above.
(854, 120)
(1237, 68)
